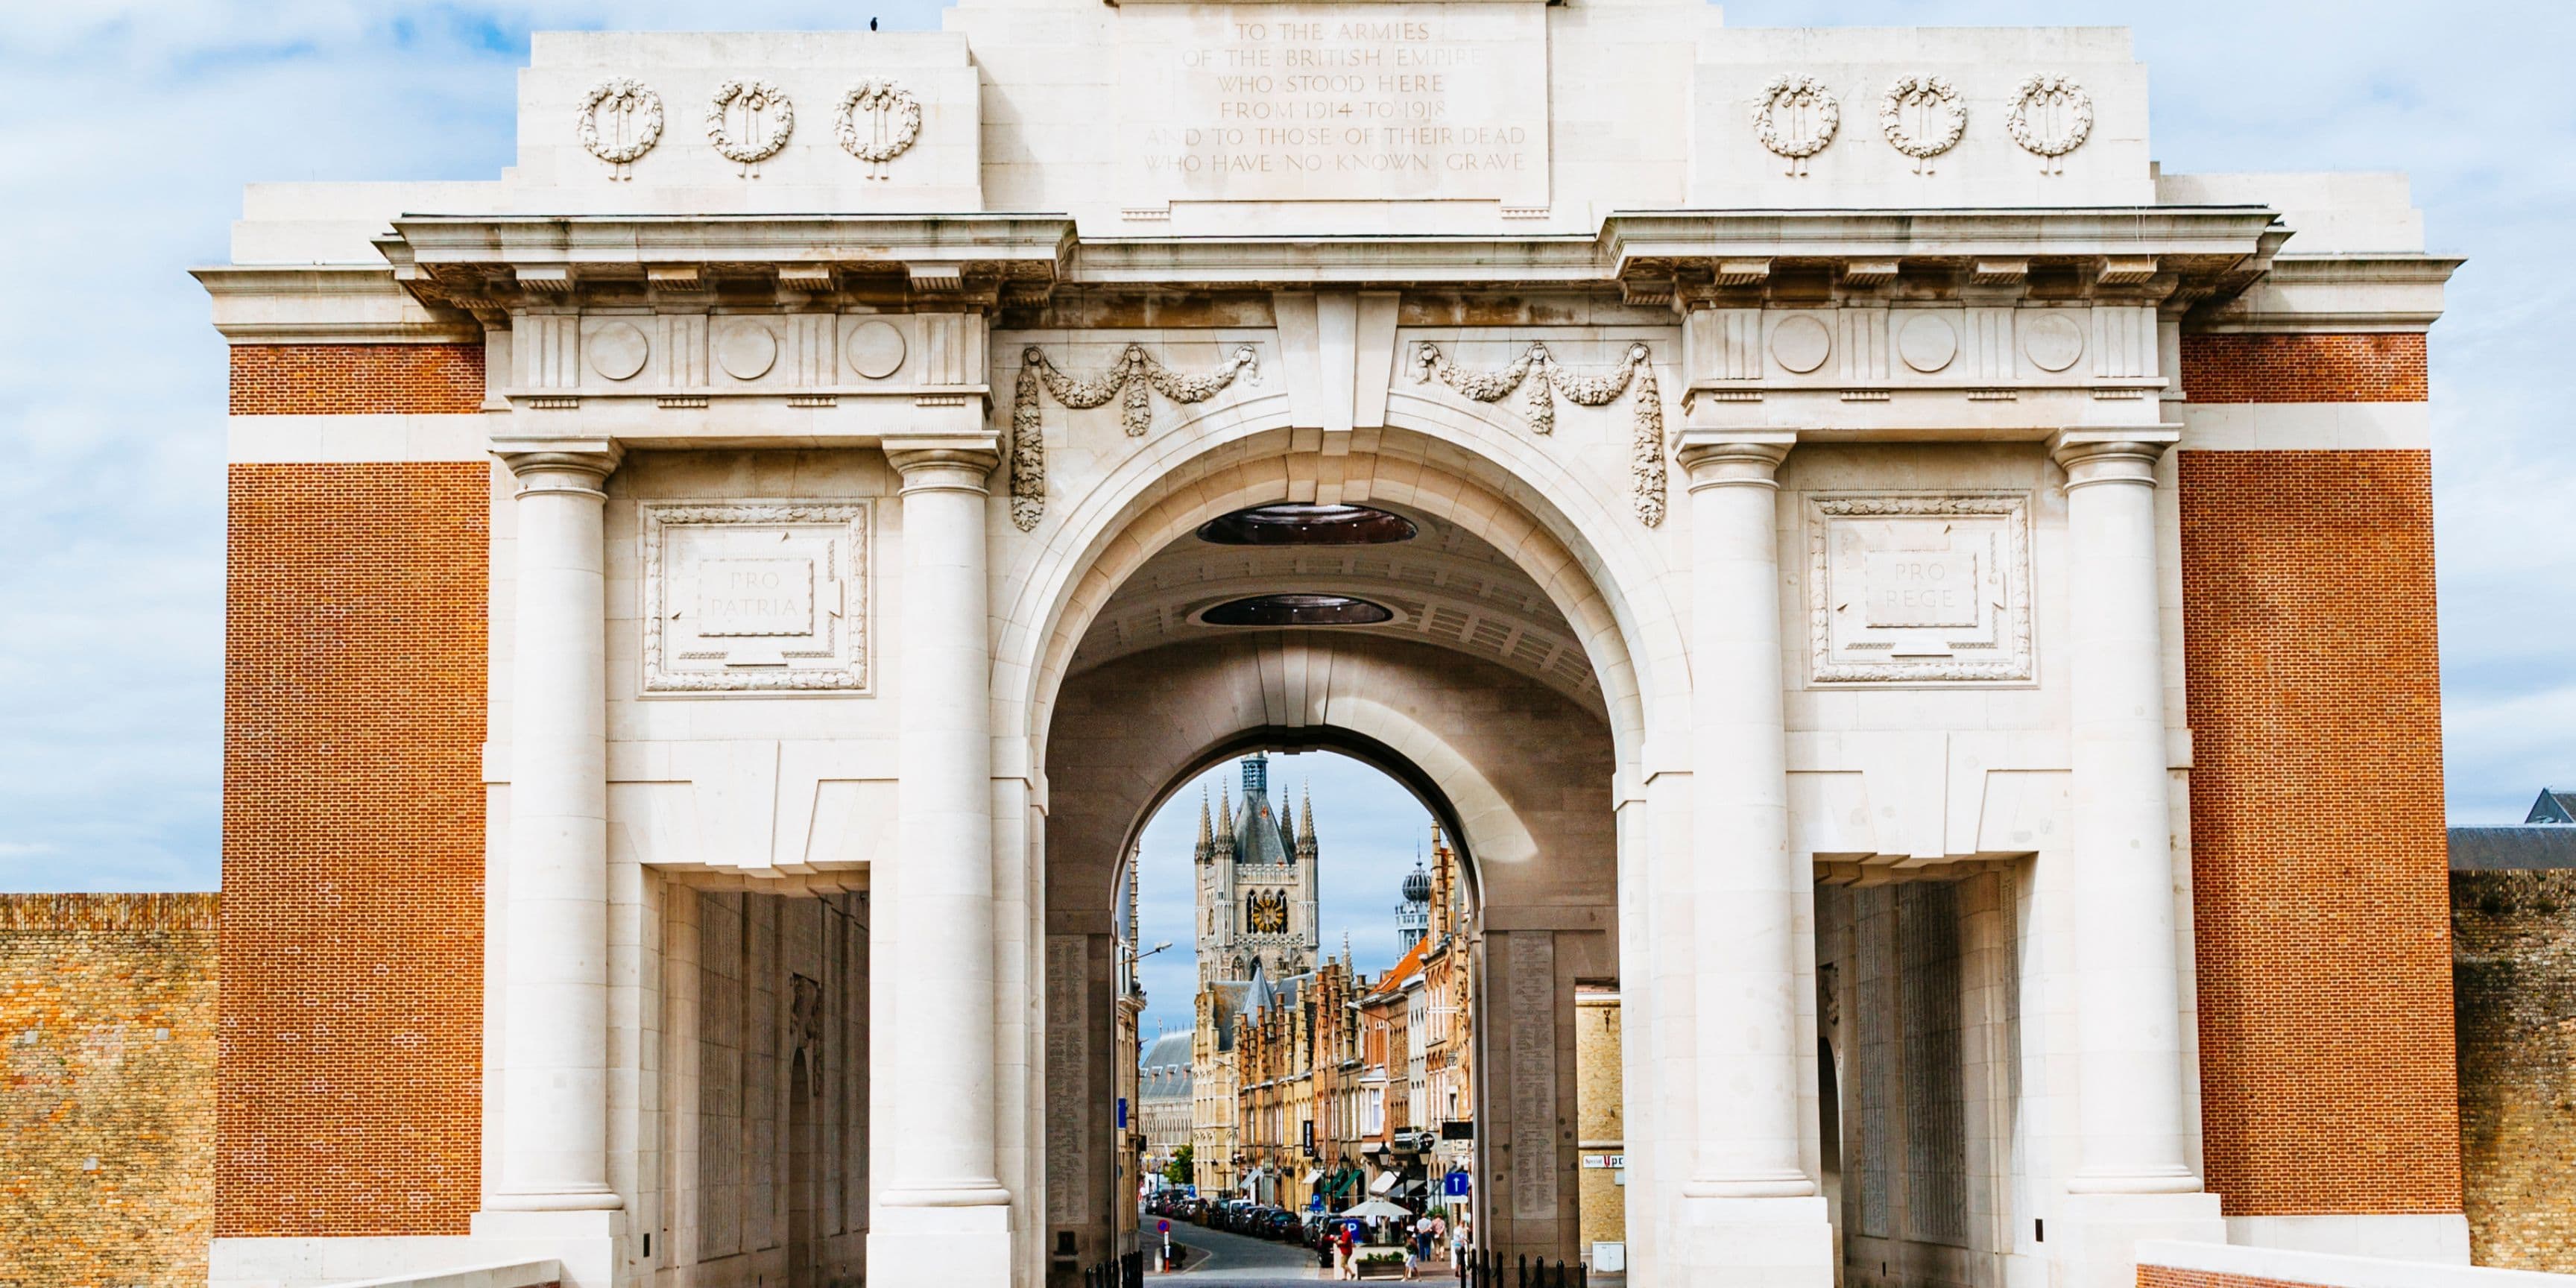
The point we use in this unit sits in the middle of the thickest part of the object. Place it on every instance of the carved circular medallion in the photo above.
(894, 120)
(2050, 117)
(1922, 117)
(616, 350)
(876, 349)
(620, 120)
(749, 121)
(1797, 118)
(746, 349)
(1800, 343)
(1927, 342)
(2052, 342)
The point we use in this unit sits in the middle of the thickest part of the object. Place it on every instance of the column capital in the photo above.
(560, 465)
(1733, 457)
(2092, 456)
(944, 462)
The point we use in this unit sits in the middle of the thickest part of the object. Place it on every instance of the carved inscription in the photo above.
(1297, 102)
(1922, 588)
(1532, 1006)
(1068, 1054)
(756, 597)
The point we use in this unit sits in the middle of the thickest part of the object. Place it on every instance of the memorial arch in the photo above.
(714, 607)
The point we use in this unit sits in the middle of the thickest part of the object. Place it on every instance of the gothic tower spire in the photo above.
(1207, 835)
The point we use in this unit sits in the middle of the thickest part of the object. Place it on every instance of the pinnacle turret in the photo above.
(1306, 844)
(1207, 832)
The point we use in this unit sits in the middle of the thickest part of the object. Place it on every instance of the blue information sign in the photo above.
(1454, 1185)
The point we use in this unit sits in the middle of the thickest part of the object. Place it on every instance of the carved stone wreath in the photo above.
(897, 121)
(623, 96)
(1636, 367)
(2075, 127)
(1796, 94)
(758, 96)
(1929, 94)
(1136, 374)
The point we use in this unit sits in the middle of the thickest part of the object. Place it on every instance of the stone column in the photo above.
(2128, 1014)
(1747, 966)
(554, 980)
(943, 1214)
(1750, 1206)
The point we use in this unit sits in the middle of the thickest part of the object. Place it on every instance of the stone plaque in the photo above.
(761, 596)
(1310, 102)
(1919, 589)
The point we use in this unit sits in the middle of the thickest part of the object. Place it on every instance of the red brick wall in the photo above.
(351, 1057)
(2303, 368)
(355, 379)
(107, 1173)
(2176, 1277)
(2319, 869)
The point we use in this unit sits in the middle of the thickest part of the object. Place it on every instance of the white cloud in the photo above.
(144, 118)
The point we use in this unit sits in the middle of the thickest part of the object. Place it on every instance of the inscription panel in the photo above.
(1919, 589)
(755, 597)
(1302, 102)
(1068, 1074)
(1531, 1001)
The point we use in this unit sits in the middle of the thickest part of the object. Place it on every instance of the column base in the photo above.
(953, 1247)
(1752, 1243)
(2094, 1237)
(590, 1244)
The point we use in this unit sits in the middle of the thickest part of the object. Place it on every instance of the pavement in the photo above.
(1235, 1260)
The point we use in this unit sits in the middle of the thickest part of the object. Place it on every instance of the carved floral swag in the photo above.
(1136, 374)
(1636, 367)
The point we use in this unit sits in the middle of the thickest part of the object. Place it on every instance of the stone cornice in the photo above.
(2348, 292)
(2181, 256)
(494, 265)
(326, 304)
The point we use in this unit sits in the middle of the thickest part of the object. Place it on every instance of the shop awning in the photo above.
(1343, 1182)
(1311, 1176)
(1384, 1183)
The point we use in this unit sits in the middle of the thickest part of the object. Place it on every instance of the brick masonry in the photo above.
(2513, 963)
(107, 1007)
(2303, 368)
(2319, 866)
(350, 1097)
(356, 379)
(2177, 1277)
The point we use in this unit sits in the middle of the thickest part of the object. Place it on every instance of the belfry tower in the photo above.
(1256, 884)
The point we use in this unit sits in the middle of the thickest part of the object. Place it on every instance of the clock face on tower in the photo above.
(1265, 912)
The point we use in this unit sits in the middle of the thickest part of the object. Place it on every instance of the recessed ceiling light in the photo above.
(1298, 610)
(1307, 525)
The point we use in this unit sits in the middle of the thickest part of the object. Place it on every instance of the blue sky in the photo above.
(137, 122)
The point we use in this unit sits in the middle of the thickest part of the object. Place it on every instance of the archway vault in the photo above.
(1519, 768)
(1600, 575)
